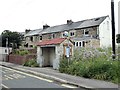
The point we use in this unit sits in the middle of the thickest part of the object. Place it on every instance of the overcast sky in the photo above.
(18, 15)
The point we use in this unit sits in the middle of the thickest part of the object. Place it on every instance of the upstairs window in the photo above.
(52, 36)
(86, 32)
(5, 50)
(72, 33)
(31, 39)
(40, 37)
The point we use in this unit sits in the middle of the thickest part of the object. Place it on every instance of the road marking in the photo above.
(4, 78)
(4, 86)
(68, 86)
(8, 77)
(29, 75)
(3, 71)
(17, 76)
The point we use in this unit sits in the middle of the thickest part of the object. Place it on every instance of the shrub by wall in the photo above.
(31, 63)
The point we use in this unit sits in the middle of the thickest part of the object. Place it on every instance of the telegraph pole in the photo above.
(113, 29)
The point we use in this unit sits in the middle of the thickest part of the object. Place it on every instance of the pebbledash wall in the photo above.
(105, 33)
(4, 53)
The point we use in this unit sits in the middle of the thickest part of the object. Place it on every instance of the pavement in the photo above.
(49, 73)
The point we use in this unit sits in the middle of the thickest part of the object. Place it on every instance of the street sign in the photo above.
(67, 51)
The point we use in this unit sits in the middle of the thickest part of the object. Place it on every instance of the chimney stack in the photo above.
(45, 26)
(69, 22)
(27, 30)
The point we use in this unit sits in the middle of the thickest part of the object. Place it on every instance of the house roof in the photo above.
(65, 27)
(33, 32)
(51, 42)
(75, 25)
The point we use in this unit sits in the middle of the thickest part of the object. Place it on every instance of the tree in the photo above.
(14, 39)
(118, 38)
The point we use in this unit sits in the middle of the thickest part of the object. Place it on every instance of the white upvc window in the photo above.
(79, 44)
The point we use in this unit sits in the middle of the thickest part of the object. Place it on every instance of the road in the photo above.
(17, 79)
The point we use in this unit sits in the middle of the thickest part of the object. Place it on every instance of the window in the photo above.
(76, 43)
(80, 44)
(31, 39)
(83, 43)
(52, 36)
(72, 34)
(31, 45)
(86, 32)
(5, 50)
(40, 37)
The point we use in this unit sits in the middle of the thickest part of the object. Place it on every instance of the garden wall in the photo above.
(17, 59)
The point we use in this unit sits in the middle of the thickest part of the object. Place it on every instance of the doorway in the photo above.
(49, 56)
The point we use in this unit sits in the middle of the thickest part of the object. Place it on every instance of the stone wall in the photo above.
(49, 36)
(92, 43)
(46, 36)
(58, 35)
(79, 33)
(92, 31)
(96, 43)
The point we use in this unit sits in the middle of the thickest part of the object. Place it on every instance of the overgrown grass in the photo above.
(93, 63)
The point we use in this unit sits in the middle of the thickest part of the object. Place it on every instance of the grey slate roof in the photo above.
(33, 32)
(75, 25)
(64, 27)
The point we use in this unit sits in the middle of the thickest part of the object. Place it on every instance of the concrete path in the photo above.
(55, 75)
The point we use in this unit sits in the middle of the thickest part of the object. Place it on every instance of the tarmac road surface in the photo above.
(16, 79)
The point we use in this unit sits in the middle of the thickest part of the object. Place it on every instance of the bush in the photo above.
(99, 67)
(63, 65)
(31, 63)
(21, 52)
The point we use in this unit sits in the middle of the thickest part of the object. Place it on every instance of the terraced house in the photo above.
(96, 31)
(52, 44)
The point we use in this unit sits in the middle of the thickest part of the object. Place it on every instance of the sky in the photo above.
(18, 15)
